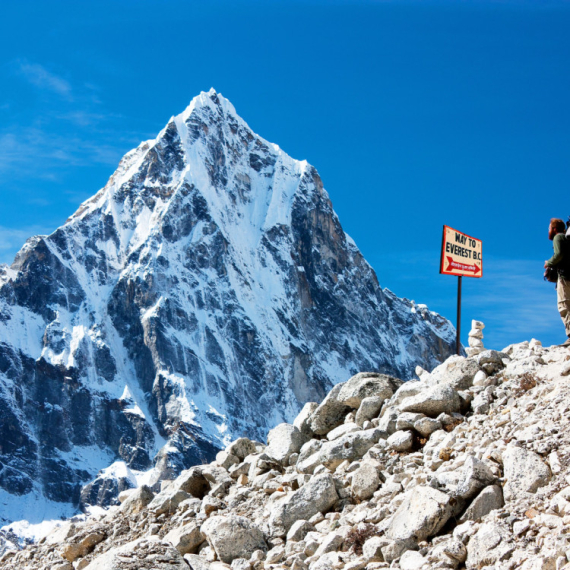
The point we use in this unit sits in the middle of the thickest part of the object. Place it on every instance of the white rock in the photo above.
(348, 447)
(137, 500)
(372, 549)
(342, 430)
(480, 379)
(406, 390)
(406, 420)
(520, 527)
(365, 481)
(143, 554)
(412, 560)
(242, 447)
(554, 462)
(302, 420)
(422, 513)
(490, 544)
(316, 496)
(426, 426)
(488, 500)
(329, 414)
(433, 401)
(367, 384)
(478, 325)
(401, 441)
(233, 537)
(284, 440)
(299, 530)
(525, 472)
(186, 539)
(330, 543)
(475, 333)
(368, 409)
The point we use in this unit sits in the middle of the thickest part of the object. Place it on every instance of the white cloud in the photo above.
(43, 79)
(38, 153)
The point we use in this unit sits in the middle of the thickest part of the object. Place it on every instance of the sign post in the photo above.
(461, 255)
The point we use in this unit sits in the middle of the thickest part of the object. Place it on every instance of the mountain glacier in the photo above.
(206, 292)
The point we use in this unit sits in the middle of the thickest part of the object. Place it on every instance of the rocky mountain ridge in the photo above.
(206, 292)
(469, 467)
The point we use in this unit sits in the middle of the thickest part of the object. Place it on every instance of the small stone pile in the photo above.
(475, 339)
(469, 467)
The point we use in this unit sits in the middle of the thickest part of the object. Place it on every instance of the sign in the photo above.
(461, 255)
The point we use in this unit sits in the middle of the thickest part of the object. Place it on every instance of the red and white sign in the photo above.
(461, 255)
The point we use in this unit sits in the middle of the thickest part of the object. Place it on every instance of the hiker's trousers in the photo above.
(563, 294)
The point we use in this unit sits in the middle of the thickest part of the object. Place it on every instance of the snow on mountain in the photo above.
(207, 291)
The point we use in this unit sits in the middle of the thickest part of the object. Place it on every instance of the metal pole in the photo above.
(458, 342)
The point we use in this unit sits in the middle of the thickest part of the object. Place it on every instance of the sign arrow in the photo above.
(461, 266)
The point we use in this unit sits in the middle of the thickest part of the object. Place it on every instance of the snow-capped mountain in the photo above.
(206, 292)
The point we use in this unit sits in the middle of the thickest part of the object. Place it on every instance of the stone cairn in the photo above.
(475, 339)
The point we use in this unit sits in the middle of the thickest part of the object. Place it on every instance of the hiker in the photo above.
(561, 261)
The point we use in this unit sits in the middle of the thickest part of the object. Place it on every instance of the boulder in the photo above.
(137, 500)
(406, 390)
(366, 384)
(372, 548)
(365, 481)
(406, 420)
(456, 372)
(348, 447)
(412, 560)
(283, 441)
(422, 514)
(343, 429)
(186, 539)
(168, 500)
(331, 543)
(489, 499)
(433, 401)
(491, 544)
(83, 543)
(316, 496)
(299, 530)
(388, 420)
(474, 476)
(401, 441)
(143, 554)
(226, 460)
(302, 420)
(329, 414)
(242, 447)
(490, 361)
(197, 562)
(192, 481)
(524, 470)
(481, 404)
(369, 409)
(451, 552)
(233, 537)
(426, 426)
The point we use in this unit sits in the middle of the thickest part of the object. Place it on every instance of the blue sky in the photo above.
(416, 114)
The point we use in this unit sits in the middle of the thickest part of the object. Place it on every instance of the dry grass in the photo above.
(359, 535)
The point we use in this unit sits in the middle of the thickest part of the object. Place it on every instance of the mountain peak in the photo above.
(210, 281)
(216, 101)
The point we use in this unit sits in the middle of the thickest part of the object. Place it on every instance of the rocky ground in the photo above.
(466, 468)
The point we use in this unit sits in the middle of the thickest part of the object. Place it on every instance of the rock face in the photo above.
(207, 292)
(437, 505)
